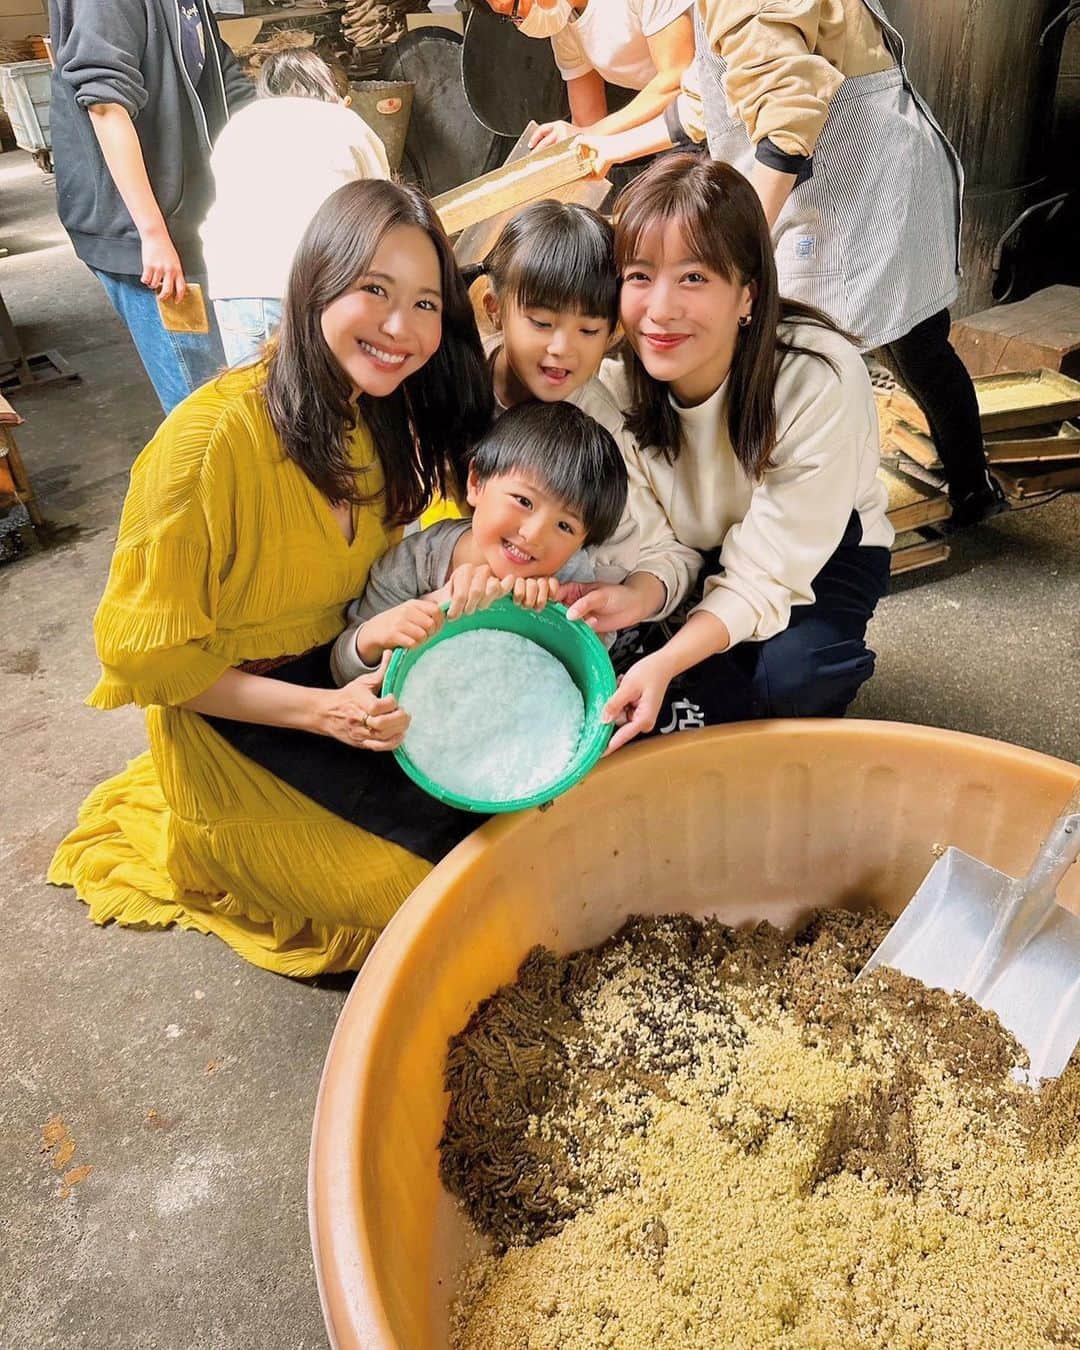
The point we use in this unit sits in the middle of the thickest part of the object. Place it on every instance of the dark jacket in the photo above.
(128, 52)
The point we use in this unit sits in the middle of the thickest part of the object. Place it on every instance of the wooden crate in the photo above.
(15, 486)
(1043, 330)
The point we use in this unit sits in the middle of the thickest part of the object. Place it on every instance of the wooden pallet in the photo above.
(911, 552)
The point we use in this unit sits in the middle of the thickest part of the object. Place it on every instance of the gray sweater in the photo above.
(417, 566)
(129, 52)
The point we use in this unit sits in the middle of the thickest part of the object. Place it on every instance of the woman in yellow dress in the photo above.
(252, 518)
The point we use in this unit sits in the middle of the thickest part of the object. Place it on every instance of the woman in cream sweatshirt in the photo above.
(757, 458)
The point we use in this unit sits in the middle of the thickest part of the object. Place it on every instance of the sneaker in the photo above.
(974, 507)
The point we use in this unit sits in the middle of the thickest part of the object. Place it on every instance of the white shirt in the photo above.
(274, 165)
(610, 37)
(774, 534)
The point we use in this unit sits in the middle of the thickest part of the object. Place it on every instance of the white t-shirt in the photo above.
(274, 165)
(610, 37)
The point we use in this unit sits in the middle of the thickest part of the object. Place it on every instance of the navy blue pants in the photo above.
(814, 668)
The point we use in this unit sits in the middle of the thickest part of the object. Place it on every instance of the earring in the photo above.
(744, 320)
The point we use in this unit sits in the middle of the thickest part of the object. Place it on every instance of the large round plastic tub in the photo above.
(765, 820)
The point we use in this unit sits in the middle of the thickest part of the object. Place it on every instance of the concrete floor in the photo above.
(185, 1078)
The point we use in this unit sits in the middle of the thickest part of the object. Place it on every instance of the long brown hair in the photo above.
(422, 432)
(723, 224)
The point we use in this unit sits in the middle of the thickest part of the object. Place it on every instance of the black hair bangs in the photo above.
(568, 454)
(557, 256)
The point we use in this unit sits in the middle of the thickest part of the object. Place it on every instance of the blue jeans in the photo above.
(177, 363)
(245, 325)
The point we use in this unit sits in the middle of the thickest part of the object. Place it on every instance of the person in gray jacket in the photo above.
(140, 91)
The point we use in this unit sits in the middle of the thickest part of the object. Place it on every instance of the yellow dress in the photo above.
(227, 553)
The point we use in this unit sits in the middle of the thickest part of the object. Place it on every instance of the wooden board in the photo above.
(1027, 484)
(1026, 398)
(914, 444)
(1041, 331)
(912, 503)
(1044, 445)
(911, 551)
(474, 243)
(898, 403)
(511, 186)
(237, 33)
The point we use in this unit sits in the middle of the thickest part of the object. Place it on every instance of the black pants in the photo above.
(814, 668)
(926, 363)
(365, 787)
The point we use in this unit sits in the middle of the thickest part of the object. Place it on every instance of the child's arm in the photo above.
(406, 625)
(383, 613)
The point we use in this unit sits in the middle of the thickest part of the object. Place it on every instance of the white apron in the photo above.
(873, 238)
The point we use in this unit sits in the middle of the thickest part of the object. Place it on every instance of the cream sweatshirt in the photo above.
(274, 165)
(774, 534)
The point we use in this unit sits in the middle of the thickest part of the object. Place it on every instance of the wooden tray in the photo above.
(517, 182)
(911, 552)
(1026, 398)
(1042, 444)
(912, 503)
(1027, 484)
(475, 241)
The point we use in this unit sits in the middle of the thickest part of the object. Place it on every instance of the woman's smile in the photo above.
(382, 356)
(665, 342)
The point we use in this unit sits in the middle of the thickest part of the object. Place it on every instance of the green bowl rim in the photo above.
(592, 745)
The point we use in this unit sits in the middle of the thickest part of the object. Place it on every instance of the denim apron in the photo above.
(873, 237)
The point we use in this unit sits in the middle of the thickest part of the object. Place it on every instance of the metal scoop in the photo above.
(1005, 943)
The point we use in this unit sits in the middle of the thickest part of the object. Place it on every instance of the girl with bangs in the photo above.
(755, 463)
(253, 517)
(553, 299)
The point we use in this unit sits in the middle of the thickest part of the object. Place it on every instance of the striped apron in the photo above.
(873, 237)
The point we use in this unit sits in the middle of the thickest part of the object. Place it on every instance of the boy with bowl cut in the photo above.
(548, 489)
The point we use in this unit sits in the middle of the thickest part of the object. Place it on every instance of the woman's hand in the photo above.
(602, 151)
(358, 716)
(551, 133)
(636, 704)
(472, 586)
(607, 608)
(405, 625)
(535, 592)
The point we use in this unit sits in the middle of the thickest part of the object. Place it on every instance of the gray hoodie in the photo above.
(128, 52)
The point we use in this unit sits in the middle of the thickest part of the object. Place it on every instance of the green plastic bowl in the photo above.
(574, 644)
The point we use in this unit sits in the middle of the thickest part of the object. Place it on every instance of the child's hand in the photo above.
(535, 592)
(473, 586)
(405, 625)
